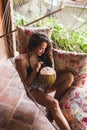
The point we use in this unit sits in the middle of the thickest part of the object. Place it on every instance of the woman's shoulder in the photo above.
(22, 59)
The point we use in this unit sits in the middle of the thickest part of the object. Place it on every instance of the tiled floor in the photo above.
(17, 111)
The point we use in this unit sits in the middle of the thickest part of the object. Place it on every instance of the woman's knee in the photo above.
(70, 76)
(54, 105)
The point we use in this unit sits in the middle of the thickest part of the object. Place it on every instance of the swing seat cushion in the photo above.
(74, 102)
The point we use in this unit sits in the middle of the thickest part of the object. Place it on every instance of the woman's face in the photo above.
(41, 49)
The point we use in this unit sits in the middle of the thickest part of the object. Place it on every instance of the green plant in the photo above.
(20, 19)
(62, 37)
(65, 38)
(69, 40)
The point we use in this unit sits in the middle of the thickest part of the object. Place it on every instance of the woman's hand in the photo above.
(37, 66)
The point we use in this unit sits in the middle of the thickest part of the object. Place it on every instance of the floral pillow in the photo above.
(24, 33)
(72, 61)
(74, 103)
(74, 107)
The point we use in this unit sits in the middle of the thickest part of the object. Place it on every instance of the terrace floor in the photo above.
(17, 111)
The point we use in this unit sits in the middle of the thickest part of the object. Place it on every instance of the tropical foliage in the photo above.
(62, 37)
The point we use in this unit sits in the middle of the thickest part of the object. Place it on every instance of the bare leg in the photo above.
(53, 105)
(62, 84)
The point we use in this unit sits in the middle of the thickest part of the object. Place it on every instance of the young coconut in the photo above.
(47, 76)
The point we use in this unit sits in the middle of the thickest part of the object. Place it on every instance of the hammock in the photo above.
(7, 23)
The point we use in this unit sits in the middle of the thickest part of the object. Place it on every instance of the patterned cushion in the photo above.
(74, 102)
(24, 34)
(71, 61)
(74, 107)
(65, 60)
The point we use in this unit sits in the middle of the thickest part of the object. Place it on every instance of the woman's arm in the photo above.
(36, 69)
(22, 65)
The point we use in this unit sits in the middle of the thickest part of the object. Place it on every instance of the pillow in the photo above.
(24, 33)
(74, 107)
(71, 61)
(74, 103)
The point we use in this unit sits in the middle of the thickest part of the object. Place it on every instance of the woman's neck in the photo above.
(31, 53)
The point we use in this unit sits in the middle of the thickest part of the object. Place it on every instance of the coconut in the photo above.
(47, 76)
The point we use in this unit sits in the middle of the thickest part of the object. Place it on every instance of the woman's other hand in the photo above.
(37, 66)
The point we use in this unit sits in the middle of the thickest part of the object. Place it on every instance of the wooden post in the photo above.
(3, 48)
(7, 4)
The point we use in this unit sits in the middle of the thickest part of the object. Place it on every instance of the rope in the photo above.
(48, 16)
(33, 22)
(76, 21)
(79, 15)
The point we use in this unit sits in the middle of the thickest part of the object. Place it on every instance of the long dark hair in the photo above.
(36, 40)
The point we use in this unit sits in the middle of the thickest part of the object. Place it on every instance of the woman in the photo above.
(39, 53)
